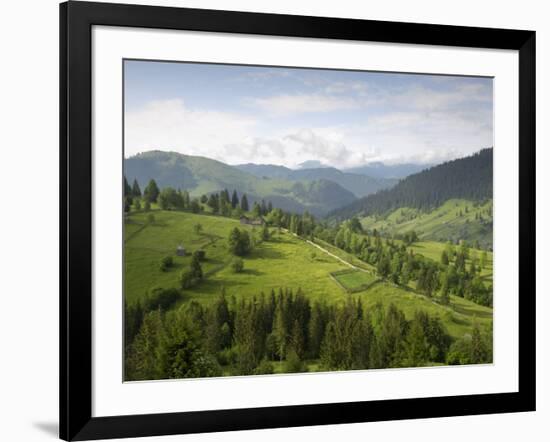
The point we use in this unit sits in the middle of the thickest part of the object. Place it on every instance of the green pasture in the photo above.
(285, 261)
(355, 279)
(456, 219)
(458, 317)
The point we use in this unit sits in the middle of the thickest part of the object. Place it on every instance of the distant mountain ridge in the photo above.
(359, 185)
(469, 178)
(391, 171)
(201, 175)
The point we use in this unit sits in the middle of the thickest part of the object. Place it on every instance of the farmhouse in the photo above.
(180, 251)
(253, 222)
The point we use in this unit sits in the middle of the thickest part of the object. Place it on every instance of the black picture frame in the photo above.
(76, 21)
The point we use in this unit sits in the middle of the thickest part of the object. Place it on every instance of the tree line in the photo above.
(389, 256)
(220, 203)
(243, 337)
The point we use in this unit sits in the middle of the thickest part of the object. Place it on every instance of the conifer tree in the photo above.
(136, 191)
(297, 341)
(196, 269)
(151, 192)
(127, 188)
(256, 210)
(234, 199)
(316, 330)
(416, 346)
(244, 203)
(280, 332)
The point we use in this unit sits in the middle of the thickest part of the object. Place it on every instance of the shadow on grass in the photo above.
(266, 251)
(211, 286)
(456, 320)
(417, 246)
(253, 272)
(472, 312)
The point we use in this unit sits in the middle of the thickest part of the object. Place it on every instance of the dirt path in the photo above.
(322, 249)
(343, 261)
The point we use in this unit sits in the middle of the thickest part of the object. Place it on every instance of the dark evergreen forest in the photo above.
(469, 178)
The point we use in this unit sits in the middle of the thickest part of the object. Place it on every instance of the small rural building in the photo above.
(253, 222)
(180, 251)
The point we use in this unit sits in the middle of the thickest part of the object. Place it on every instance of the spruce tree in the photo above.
(244, 203)
(297, 341)
(280, 332)
(234, 200)
(196, 268)
(151, 192)
(136, 191)
(416, 346)
(127, 188)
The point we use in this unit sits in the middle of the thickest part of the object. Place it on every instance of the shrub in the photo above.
(150, 218)
(196, 268)
(227, 356)
(265, 367)
(201, 254)
(237, 265)
(161, 298)
(293, 363)
(166, 263)
(265, 233)
(187, 279)
(239, 242)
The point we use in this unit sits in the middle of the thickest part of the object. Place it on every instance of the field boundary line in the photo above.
(133, 234)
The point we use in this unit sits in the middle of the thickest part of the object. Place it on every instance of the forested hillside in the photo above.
(469, 178)
(391, 171)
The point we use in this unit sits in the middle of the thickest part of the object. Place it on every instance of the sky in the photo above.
(285, 116)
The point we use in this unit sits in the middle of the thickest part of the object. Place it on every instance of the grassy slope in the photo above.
(440, 224)
(286, 261)
(458, 318)
(355, 279)
(433, 249)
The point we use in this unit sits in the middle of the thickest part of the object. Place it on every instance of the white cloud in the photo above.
(302, 103)
(415, 124)
(420, 98)
(339, 87)
(170, 125)
(325, 145)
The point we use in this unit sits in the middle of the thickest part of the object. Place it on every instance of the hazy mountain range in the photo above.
(321, 190)
(316, 189)
(359, 184)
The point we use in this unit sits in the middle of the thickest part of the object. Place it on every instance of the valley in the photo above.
(259, 289)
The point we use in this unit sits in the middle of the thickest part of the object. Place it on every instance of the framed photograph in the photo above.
(272, 221)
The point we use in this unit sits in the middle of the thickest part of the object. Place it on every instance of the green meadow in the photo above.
(284, 261)
(433, 250)
(455, 219)
(355, 279)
